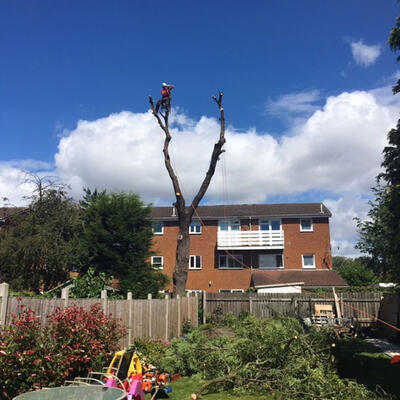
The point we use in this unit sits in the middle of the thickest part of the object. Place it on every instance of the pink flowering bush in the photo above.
(74, 342)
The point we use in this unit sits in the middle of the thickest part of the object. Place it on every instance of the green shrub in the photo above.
(150, 350)
(74, 342)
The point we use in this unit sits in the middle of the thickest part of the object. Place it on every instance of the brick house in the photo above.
(272, 247)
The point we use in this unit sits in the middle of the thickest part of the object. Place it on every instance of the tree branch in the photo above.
(214, 157)
(227, 378)
(167, 160)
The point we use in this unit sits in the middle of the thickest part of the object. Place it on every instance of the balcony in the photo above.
(250, 240)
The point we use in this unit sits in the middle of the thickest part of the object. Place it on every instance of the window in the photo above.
(230, 261)
(158, 228)
(306, 225)
(157, 262)
(270, 225)
(193, 291)
(195, 262)
(275, 225)
(308, 261)
(264, 225)
(233, 225)
(195, 227)
(231, 290)
(270, 261)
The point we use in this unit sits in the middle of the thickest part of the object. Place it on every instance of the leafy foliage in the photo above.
(108, 232)
(380, 236)
(84, 337)
(38, 246)
(90, 284)
(277, 357)
(394, 43)
(355, 271)
(75, 342)
(116, 240)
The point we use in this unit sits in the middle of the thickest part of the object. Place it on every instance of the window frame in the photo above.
(269, 223)
(193, 256)
(162, 227)
(195, 224)
(311, 225)
(231, 291)
(269, 268)
(308, 266)
(155, 266)
(230, 223)
(239, 256)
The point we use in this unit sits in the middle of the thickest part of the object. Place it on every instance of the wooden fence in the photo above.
(363, 306)
(154, 318)
(390, 313)
(164, 319)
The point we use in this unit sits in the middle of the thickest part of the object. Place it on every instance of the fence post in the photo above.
(104, 300)
(129, 298)
(196, 295)
(4, 303)
(204, 306)
(188, 306)
(337, 304)
(250, 304)
(166, 316)
(65, 296)
(149, 297)
(178, 298)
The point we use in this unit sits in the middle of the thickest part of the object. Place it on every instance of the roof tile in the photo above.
(249, 210)
(317, 278)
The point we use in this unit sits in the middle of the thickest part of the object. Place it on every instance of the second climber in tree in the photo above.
(165, 100)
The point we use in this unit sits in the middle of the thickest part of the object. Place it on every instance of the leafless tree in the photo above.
(184, 213)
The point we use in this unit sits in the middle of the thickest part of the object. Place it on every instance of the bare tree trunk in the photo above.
(182, 258)
(185, 214)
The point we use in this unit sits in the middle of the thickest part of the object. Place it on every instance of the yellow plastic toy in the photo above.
(125, 364)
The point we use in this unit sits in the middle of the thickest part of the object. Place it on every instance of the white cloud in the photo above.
(294, 103)
(30, 165)
(13, 185)
(363, 54)
(338, 150)
(343, 226)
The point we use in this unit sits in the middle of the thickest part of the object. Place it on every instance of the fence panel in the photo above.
(363, 306)
(227, 302)
(142, 318)
(390, 313)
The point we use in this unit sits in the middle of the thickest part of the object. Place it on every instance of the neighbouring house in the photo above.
(293, 281)
(271, 247)
(6, 213)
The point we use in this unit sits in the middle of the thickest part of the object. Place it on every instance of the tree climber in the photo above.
(165, 100)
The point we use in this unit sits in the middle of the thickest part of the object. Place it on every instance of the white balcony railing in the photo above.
(250, 239)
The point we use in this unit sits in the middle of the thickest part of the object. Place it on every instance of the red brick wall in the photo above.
(297, 243)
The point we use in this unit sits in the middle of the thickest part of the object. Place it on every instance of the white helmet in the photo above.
(164, 84)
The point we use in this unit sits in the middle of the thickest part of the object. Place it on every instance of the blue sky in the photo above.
(285, 68)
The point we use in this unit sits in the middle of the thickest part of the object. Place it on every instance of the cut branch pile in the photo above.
(277, 357)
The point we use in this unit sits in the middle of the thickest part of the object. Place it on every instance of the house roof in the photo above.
(315, 278)
(250, 210)
(7, 212)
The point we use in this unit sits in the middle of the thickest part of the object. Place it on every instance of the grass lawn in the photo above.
(184, 387)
